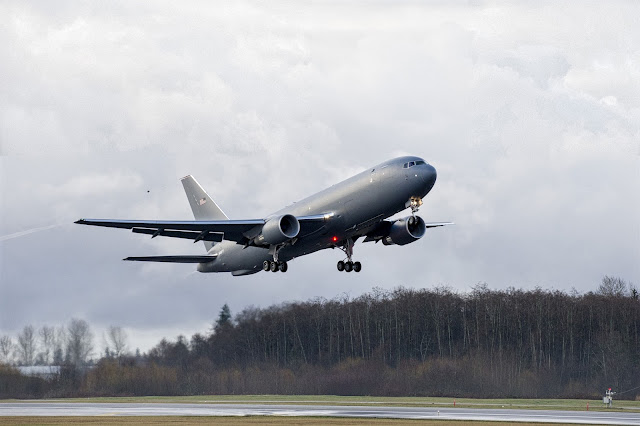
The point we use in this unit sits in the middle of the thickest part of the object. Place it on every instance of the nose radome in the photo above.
(429, 173)
(429, 176)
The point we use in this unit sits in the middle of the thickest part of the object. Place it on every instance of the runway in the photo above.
(162, 409)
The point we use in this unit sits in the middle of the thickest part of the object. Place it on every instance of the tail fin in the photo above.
(204, 208)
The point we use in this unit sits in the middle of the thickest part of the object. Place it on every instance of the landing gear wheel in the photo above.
(283, 267)
(348, 267)
(274, 267)
(341, 266)
(357, 266)
(266, 265)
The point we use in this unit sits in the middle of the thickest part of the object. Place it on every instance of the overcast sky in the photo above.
(530, 114)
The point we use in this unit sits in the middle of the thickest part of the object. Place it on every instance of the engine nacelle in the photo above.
(405, 231)
(278, 230)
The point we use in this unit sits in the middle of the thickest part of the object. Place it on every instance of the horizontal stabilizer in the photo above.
(173, 259)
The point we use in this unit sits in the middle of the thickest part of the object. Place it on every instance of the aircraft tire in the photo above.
(284, 267)
(348, 267)
(357, 266)
(266, 266)
(274, 267)
(340, 266)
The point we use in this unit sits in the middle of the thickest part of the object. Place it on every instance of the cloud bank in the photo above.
(531, 114)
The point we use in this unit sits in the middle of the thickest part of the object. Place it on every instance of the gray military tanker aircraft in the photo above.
(333, 218)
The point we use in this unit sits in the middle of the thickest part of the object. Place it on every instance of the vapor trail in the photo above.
(27, 232)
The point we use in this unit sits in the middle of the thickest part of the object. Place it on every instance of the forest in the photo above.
(405, 342)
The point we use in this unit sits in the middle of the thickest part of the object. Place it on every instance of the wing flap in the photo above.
(189, 235)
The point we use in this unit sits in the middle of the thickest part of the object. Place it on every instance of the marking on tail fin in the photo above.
(200, 206)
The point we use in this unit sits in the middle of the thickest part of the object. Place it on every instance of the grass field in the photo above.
(548, 404)
(224, 421)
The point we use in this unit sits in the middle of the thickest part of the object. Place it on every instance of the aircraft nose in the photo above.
(429, 176)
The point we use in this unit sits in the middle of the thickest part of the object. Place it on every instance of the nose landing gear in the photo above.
(349, 265)
(414, 203)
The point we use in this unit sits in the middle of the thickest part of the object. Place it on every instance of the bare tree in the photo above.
(79, 342)
(47, 336)
(59, 341)
(612, 286)
(116, 341)
(27, 345)
(6, 349)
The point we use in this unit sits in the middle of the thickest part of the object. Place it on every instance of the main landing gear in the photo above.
(268, 265)
(349, 265)
(275, 265)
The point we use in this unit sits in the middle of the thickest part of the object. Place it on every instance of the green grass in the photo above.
(548, 404)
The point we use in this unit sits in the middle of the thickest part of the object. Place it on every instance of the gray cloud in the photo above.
(530, 114)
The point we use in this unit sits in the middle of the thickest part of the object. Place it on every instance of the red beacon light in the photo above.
(334, 239)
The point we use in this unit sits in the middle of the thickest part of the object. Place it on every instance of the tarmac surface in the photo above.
(162, 409)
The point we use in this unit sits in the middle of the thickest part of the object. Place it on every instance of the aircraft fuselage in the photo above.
(351, 207)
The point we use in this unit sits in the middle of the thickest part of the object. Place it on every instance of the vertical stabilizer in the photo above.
(203, 207)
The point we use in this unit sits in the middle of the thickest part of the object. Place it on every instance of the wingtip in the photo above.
(79, 221)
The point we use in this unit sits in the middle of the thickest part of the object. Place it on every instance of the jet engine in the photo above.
(405, 231)
(278, 230)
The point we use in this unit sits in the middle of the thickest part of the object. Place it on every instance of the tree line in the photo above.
(55, 346)
(422, 342)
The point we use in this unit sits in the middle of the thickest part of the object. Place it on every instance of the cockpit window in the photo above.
(419, 163)
(411, 164)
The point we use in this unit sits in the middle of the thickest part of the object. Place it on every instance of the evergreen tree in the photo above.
(224, 318)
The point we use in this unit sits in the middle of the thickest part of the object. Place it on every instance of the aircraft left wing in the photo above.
(196, 230)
